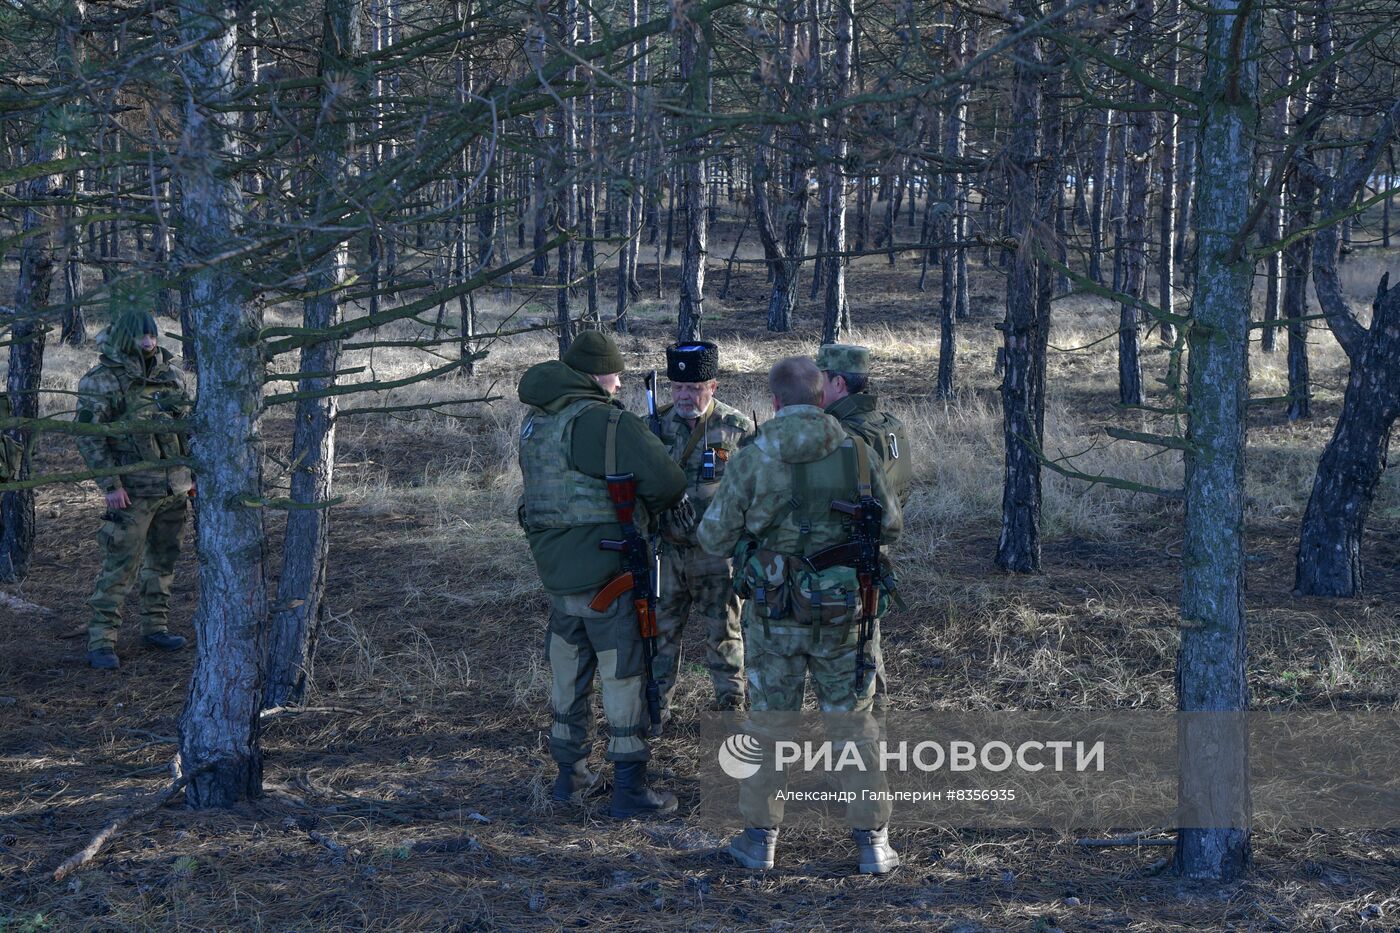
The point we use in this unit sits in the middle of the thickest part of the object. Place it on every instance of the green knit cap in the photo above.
(594, 352)
(843, 358)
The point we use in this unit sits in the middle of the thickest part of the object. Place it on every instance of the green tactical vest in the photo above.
(886, 435)
(557, 495)
(814, 485)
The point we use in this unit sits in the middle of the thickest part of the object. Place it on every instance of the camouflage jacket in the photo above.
(121, 388)
(721, 431)
(755, 498)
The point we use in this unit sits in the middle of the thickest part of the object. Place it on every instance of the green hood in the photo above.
(554, 386)
(114, 356)
(800, 434)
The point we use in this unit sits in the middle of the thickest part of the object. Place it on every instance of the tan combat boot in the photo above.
(875, 854)
(754, 848)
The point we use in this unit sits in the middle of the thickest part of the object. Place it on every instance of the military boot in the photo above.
(875, 854)
(754, 848)
(103, 659)
(631, 795)
(165, 641)
(574, 782)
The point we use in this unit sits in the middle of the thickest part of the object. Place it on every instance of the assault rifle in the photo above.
(862, 552)
(641, 575)
(653, 419)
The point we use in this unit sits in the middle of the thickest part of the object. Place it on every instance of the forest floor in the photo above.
(418, 800)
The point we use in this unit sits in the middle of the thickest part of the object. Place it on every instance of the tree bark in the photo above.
(694, 73)
(837, 315)
(219, 726)
(300, 607)
(1139, 148)
(1023, 331)
(1211, 658)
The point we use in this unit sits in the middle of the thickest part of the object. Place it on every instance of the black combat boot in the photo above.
(574, 782)
(103, 659)
(631, 795)
(165, 641)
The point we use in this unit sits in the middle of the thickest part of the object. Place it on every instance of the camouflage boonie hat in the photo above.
(843, 358)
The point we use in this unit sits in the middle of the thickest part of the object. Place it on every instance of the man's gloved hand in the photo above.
(680, 519)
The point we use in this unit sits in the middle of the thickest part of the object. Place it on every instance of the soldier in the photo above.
(847, 397)
(134, 380)
(702, 433)
(775, 505)
(574, 435)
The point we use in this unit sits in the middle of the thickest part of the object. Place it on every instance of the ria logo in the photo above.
(740, 756)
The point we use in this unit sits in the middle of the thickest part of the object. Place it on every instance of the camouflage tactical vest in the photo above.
(556, 495)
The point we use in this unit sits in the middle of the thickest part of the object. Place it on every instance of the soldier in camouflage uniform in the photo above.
(574, 435)
(134, 380)
(775, 506)
(702, 433)
(847, 397)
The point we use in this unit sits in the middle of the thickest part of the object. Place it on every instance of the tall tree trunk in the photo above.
(1210, 674)
(219, 727)
(1135, 222)
(27, 338)
(630, 206)
(1274, 220)
(300, 606)
(695, 74)
(834, 179)
(954, 133)
(1329, 550)
(1166, 259)
(1023, 331)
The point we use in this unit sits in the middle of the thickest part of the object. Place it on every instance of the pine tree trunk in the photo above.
(695, 74)
(1166, 259)
(1135, 220)
(1211, 657)
(300, 606)
(219, 727)
(1018, 549)
(954, 133)
(834, 179)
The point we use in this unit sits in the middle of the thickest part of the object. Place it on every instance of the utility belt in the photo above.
(784, 590)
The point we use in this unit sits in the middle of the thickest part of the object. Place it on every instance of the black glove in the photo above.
(680, 519)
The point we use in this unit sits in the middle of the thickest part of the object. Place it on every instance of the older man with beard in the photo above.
(702, 433)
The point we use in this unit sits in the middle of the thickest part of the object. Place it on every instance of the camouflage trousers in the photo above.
(579, 643)
(142, 538)
(780, 659)
(693, 579)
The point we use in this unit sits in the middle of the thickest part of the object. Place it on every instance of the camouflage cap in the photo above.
(843, 358)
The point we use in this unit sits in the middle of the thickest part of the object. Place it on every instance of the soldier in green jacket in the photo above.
(134, 380)
(847, 397)
(574, 435)
(775, 505)
(702, 433)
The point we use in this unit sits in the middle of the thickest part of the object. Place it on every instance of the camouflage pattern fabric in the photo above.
(578, 643)
(143, 537)
(802, 625)
(124, 387)
(694, 580)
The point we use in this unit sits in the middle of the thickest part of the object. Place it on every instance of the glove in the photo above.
(680, 519)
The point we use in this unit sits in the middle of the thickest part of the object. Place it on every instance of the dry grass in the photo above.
(433, 795)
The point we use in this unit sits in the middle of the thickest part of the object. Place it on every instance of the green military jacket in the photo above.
(125, 387)
(860, 415)
(721, 430)
(568, 558)
(755, 498)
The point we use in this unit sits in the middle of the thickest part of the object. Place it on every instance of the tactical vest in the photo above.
(886, 435)
(150, 401)
(814, 485)
(556, 494)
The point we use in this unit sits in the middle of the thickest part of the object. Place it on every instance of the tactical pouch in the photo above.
(768, 582)
(831, 597)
